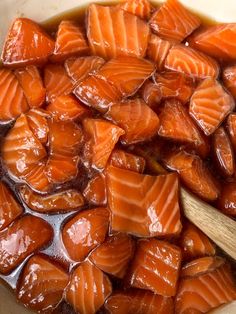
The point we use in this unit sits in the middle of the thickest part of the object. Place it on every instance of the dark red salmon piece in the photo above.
(227, 199)
(26, 44)
(32, 84)
(229, 79)
(156, 267)
(141, 8)
(70, 41)
(151, 94)
(37, 178)
(24, 234)
(10, 209)
(38, 123)
(121, 159)
(135, 199)
(95, 191)
(45, 293)
(84, 232)
(108, 30)
(231, 128)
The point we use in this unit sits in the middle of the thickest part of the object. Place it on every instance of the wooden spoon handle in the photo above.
(218, 227)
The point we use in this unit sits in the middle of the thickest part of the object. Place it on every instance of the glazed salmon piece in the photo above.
(231, 128)
(26, 241)
(26, 44)
(201, 266)
(210, 104)
(194, 243)
(12, 98)
(136, 118)
(10, 209)
(173, 21)
(194, 174)
(95, 191)
(84, 232)
(227, 199)
(56, 81)
(45, 293)
(79, 68)
(38, 123)
(191, 62)
(151, 94)
(177, 125)
(156, 267)
(140, 302)
(109, 30)
(134, 70)
(143, 205)
(102, 137)
(88, 289)
(141, 8)
(223, 152)
(64, 201)
(114, 255)
(32, 84)
(70, 41)
(200, 292)
(121, 159)
(37, 178)
(229, 79)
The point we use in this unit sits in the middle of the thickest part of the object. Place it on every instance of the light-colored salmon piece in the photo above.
(210, 104)
(227, 199)
(64, 201)
(173, 21)
(56, 81)
(12, 98)
(84, 232)
(177, 125)
(121, 159)
(95, 191)
(45, 293)
(37, 178)
(223, 152)
(141, 8)
(231, 128)
(79, 68)
(38, 123)
(114, 255)
(88, 289)
(10, 209)
(109, 30)
(156, 267)
(26, 44)
(102, 137)
(191, 62)
(70, 41)
(143, 205)
(24, 234)
(32, 84)
(151, 94)
(194, 243)
(136, 118)
(140, 302)
(201, 291)
(229, 79)
(157, 51)
(194, 174)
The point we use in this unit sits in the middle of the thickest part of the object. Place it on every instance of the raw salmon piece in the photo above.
(85, 232)
(136, 118)
(223, 152)
(140, 302)
(229, 79)
(194, 174)
(102, 137)
(88, 289)
(201, 292)
(231, 128)
(64, 201)
(210, 104)
(97, 93)
(175, 85)
(32, 84)
(156, 267)
(177, 125)
(10, 209)
(12, 98)
(70, 41)
(45, 293)
(191, 62)
(79, 68)
(157, 51)
(26, 44)
(66, 107)
(38, 123)
(113, 32)
(194, 243)
(143, 205)
(113, 256)
(173, 21)
(21, 239)
(95, 191)
(134, 70)
(227, 199)
(37, 179)
(151, 94)
(121, 159)
(141, 8)
(56, 81)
